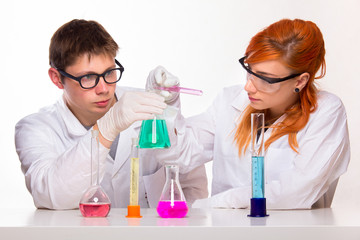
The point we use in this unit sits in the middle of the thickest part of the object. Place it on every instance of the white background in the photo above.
(199, 41)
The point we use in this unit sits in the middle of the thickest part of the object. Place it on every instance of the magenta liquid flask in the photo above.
(172, 203)
(94, 202)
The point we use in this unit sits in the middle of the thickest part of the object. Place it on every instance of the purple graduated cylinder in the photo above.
(178, 210)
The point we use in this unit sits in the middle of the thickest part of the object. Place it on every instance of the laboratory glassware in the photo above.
(172, 203)
(154, 133)
(94, 202)
(181, 90)
(134, 207)
(258, 200)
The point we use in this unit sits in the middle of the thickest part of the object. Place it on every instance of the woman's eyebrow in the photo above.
(266, 74)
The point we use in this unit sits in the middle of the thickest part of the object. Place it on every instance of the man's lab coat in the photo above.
(54, 150)
(293, 180)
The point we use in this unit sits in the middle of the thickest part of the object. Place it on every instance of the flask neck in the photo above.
(94, 157)
(172, 172)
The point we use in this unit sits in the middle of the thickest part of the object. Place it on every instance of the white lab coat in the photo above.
(54, 150)
(303, 180)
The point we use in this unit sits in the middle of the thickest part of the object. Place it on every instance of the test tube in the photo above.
(134, 208)
(258, 200)
(182, 90)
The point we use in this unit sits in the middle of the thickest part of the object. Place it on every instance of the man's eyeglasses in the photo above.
(91, 80)
(263, 83)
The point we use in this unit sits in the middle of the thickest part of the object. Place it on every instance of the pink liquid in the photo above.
(178, 210)
(94, 209)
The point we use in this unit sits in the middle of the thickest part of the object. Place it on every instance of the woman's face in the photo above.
(276, 97)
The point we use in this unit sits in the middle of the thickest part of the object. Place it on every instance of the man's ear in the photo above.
(302, 81)
(55, 77)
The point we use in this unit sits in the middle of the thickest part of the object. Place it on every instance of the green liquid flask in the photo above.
(154, 134)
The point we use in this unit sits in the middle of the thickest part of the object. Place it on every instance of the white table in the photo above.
(204, 224)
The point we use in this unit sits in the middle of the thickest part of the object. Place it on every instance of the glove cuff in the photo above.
(107, 127)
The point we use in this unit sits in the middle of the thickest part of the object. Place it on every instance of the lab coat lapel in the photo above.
(239, 103)
(124, 146)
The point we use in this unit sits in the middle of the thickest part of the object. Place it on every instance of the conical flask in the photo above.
(172, 203)
(94, 202)
(154, 133)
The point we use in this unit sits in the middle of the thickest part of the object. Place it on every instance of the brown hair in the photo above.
(300, 46)
(79, 37)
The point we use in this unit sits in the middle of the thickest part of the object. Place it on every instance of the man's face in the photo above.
(88, 105)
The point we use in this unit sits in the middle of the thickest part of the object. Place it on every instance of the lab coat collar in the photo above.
(73, 125)
(241, 100)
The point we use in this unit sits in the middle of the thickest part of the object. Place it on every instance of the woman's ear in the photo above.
(55, 77)
(302, 81)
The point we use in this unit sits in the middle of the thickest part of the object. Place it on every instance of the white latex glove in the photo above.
(160, 77)
(131, 107)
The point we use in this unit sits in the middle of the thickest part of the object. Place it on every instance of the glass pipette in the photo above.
(182, 90)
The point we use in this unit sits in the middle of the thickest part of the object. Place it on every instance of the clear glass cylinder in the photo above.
(257, 152)
(94, 202)
(154, 133)
(134, 173)
(172, 203)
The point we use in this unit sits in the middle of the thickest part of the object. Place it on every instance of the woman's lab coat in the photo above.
(54, 150)
(293, 180)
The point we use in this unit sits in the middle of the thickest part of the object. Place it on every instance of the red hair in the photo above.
(300, 46)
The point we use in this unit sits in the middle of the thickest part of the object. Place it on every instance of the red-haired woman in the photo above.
(307, 142)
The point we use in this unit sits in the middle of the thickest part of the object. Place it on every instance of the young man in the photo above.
(54, 144)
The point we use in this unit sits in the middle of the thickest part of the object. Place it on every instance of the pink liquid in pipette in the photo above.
(94, 209)
(178, 210)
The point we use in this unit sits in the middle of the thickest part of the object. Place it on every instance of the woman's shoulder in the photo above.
(329, 108)
(329, 101)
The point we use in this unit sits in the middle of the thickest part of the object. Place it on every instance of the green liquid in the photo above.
(159, 140)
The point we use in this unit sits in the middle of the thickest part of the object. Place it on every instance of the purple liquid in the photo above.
(94, 209)
(178, 210)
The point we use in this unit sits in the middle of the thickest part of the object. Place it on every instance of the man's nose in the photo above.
(102, 86)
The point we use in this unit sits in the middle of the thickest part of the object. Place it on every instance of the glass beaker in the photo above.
(154, 133)
(172, 203)
(94, 202)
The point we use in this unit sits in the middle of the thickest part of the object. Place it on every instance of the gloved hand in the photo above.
(131, 107)
(160, 77)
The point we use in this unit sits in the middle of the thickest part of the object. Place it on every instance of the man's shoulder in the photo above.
(45, 116)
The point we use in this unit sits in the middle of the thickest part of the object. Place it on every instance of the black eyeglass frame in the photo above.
(269, 80)
(78, 79)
